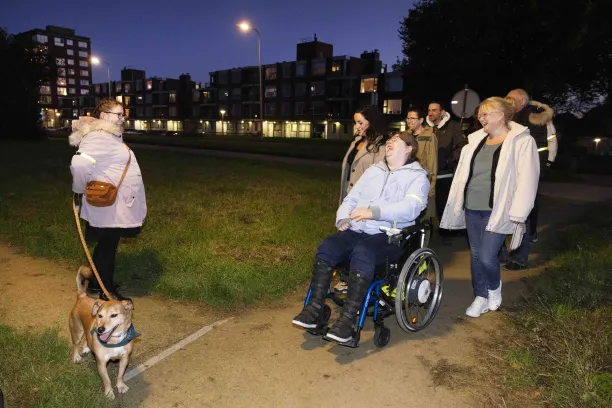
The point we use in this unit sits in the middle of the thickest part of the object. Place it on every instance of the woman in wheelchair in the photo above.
(391, 193)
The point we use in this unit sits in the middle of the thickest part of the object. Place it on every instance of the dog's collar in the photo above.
(130, 335)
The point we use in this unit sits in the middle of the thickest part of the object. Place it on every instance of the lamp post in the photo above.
(244, 26)
(596, 140)
(98, 61)
(222, 112)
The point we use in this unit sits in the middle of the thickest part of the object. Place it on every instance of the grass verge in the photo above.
(224, 232)
(36, 372)
(558, 350)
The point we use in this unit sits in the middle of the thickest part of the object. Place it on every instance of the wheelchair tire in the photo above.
(382, 335)
(418, 296)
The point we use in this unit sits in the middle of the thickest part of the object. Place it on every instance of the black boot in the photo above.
(313, 314)
(115, 294)
(342, 331)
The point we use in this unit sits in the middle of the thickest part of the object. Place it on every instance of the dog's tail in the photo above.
(82, 277)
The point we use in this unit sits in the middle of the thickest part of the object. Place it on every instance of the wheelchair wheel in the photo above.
(382, 335)
(419, 291)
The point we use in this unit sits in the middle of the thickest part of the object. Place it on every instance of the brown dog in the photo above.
(106, 326)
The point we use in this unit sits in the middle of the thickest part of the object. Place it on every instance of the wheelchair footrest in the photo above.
(352, 343)
(318, 331)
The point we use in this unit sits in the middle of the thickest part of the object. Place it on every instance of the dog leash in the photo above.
(93, 267)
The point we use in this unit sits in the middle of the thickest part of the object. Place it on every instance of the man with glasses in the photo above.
(427, 153)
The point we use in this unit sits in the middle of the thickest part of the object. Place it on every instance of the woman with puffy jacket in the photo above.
(492, 194)
(103, 156)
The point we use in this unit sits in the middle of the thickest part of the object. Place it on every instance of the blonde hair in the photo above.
(497, 104)
(105, 105)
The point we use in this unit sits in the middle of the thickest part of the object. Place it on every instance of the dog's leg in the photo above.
(123, 363)
(86, 349)
(77, 334)
(103, 371)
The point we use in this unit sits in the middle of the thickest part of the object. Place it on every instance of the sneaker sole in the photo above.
(481, 313)
(338, 339)
(304, 325)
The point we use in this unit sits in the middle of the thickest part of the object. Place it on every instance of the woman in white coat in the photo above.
(103, 156)
(492, 194)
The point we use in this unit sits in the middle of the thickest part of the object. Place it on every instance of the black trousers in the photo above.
(105, 252)
(533, 216)
(443, 186)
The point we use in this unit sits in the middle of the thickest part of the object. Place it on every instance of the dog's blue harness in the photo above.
(130, 335)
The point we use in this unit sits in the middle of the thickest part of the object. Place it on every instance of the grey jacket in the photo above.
(102, 156)
(363, 160)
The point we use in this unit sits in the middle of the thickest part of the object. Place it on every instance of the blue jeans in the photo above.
(362, 251)
(484, 246)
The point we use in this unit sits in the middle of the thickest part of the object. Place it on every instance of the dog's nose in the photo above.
(100, 330)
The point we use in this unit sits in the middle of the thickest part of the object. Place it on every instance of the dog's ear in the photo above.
(128, 305)
(96, 307)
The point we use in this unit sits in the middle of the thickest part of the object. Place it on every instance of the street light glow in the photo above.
(244, 26)
(95, 60)
(222, 112)
(597, 140)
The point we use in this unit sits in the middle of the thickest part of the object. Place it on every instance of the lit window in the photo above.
(271, 73)
(392, 107)
(119, 98)
(126, 99)
(84, 72)
(84, 63)
(369, 85)
(59, 42)
(61, 81)
(62, 91)
(69, 42)
(75, 113)
(149, 84)
(71, 91)
(61, 72)
(84, 82)
(117, 87)
(317, 88)
(45, 99)
(84, 91)
(82, 44)
(60, 62)
(70, 62)
(270, 92)
(127, 112)
(70, 52)
(71, 81)
(41, 39)
(336, 67)
(172, 98)
(83, 54)
(126, 88)
(71, 71)
(45, 90)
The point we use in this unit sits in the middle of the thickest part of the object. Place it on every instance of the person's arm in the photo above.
(81, 168)
(459, 140)
(351, 199)
(407, 210)
(553, 146)
(527, 164)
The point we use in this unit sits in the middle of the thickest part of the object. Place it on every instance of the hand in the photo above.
(361, 214)
(549, 163)
(344, 227)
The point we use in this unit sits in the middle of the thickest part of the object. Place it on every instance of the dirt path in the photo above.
(259, 360)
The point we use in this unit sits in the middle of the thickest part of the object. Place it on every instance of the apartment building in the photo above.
(70, 73)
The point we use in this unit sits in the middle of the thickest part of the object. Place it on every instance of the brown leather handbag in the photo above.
(103, 194)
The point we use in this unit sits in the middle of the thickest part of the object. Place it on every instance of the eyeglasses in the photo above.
(119, 115)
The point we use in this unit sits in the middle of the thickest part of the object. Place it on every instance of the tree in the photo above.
(23, 69)
(559, 54)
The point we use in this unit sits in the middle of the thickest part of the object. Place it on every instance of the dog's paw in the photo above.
(86, 350)
(77, 359)
(122, 388)
(109, 394)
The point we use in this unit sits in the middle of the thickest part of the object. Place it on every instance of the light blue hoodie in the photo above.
(393, 196)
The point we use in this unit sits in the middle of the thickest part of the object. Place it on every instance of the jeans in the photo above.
(363, 251)
(484, 246)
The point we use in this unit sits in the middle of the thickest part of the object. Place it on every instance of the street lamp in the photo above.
(596, 140)
(98, 61)
(222, 112)
(244, 26)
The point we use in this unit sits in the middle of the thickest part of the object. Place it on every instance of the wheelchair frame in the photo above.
(384, 306)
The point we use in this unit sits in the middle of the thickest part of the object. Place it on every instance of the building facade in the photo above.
(69, 74)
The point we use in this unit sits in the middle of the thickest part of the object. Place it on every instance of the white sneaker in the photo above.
(478, 307)
(495, 298)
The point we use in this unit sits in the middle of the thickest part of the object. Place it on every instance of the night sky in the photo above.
(167, 38)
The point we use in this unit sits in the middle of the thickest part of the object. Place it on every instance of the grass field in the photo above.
(224, 232)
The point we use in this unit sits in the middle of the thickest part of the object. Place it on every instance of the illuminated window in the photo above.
(392, 106)
(82, 44)
(119, 98)
(42, 39)
(45, 100)
(70, 62)
(62, 91)
(271, 73)
(270, 92)
(84, 82)
(84, 63)
(369, 85)
(317, 88)
(126, 88)
(118, 87)
(59, 42)
(83, 54)
(336, 66)
(60, 62)
(70, 52)
(70, 71)
(84, 91)
(69, 42)
(172, 98)
(71, 81)
(149, 84)
(61, 81)
(61, 72)
(127, 112)
(84, 72)
(45, 90)
(126, 99)
(72, 91)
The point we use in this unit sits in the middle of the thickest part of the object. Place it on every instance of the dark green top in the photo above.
(479, 187)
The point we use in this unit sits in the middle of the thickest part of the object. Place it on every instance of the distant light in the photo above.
(95, 60)
(454, 102)
(597, 140)
(244, 26)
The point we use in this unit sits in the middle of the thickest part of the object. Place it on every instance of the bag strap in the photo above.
(126, 166)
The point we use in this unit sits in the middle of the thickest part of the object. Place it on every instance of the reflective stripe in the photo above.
(415, 196)
(541, 149)
(443, 176)
(88, 157)
(551, 137)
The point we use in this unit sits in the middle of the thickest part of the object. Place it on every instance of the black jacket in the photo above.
(450, 142)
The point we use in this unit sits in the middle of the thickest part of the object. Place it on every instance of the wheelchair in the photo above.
(409, 288)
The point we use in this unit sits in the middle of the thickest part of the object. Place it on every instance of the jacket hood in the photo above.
(516, 130)
(543, 117)
(82, 130)
(415, 165)
(445, 118)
